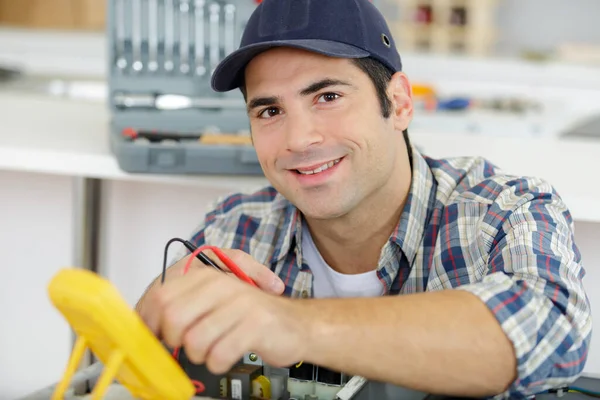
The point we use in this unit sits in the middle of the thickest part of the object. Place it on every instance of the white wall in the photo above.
(139, 218)
(541, 25)
(35, 241)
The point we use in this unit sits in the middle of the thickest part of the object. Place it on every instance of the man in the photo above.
(444, 276)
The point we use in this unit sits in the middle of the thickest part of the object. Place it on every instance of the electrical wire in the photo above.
(197, 253)
(587, 392)
(188, 245)
(199, 386)
(231, 266)
(575, 389)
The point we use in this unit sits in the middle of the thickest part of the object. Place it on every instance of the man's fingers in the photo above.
(223, 355)
(160, 298)
(150, 318)
(152, 304)
(266, 279)
(146, 306)
(200, 338)
(211, 291)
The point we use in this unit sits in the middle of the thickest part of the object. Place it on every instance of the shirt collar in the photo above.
(409, 232)
(289, 221)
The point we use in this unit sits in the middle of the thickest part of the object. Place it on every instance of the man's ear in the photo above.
(400, 93)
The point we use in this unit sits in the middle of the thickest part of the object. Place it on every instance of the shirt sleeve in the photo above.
(534, 288)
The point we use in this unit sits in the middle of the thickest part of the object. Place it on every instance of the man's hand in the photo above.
(266, 279)
(217, 318)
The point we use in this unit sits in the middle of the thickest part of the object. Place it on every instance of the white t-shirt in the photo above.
(330, 283)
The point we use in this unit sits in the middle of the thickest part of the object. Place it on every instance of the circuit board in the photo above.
(119, 392)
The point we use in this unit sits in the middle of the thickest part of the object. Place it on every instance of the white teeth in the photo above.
(320, 169)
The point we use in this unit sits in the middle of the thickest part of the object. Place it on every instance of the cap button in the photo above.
(386, 40)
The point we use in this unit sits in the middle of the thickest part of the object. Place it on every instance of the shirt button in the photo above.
(305, 294)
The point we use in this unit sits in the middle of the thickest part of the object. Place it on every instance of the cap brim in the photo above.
(229, 73)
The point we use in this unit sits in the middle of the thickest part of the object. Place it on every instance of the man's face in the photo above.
(319, 132)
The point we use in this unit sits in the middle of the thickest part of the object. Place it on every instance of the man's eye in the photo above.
(269, 112)
(327, 97)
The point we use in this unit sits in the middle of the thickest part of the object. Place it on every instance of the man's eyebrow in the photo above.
(261, 102)
(310, 89)
(322, 84)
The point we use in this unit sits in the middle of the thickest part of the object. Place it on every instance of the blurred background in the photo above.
(111, 142)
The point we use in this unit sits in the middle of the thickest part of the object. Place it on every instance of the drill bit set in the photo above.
(174, 36)
(162, 54)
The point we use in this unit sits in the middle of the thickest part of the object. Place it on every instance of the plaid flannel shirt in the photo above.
(466, 226)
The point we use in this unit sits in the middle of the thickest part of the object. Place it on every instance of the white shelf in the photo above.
(42, 134)
(45, 135)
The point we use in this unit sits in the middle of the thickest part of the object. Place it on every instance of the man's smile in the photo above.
(317, 168)
(316, 174)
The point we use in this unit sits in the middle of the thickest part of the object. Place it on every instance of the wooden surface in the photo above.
(55, 14)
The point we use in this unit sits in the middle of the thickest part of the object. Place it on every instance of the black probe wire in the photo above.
(190, 246)
(207, 261)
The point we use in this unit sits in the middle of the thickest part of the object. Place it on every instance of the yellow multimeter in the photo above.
(118, 337)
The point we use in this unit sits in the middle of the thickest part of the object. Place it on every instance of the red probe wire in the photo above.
(231, 266)
(226, 260)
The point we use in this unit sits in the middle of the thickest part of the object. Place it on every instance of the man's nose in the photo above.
(301, 132)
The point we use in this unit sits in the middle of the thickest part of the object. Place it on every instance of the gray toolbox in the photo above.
(161, 57)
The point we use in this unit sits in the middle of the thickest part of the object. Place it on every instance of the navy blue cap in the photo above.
(336, 28)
